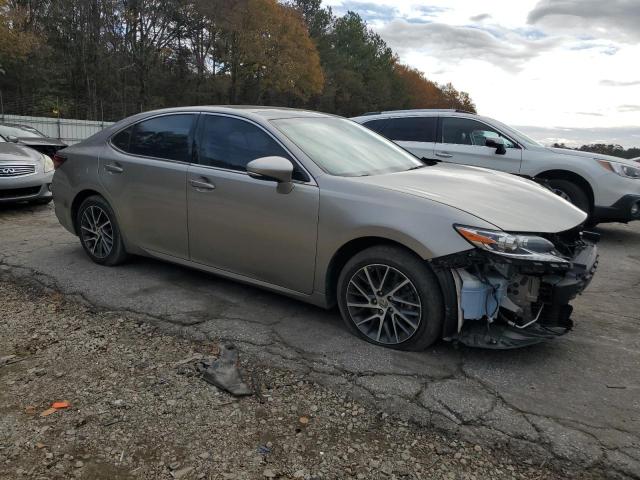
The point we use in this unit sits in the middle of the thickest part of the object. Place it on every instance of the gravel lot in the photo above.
(139, 410)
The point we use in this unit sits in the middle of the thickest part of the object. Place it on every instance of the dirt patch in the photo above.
(140, 410)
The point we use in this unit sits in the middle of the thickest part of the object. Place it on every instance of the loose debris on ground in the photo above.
(133, 405)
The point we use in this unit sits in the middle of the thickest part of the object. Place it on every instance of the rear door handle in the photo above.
(114, 168)
(202, 184)
(444, 154)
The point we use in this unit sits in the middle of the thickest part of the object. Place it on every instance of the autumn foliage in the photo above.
(106, 59)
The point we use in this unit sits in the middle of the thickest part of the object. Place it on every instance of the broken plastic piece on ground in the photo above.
(223, 372)
(60, 405)
(48, 412)
(504, 337)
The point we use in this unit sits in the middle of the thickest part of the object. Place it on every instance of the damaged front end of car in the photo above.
(513, 290)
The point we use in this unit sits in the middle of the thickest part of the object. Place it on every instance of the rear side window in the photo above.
(411, 129)
(376, 125)
(166, 137)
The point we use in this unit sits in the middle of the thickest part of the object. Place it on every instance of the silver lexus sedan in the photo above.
(324, 210)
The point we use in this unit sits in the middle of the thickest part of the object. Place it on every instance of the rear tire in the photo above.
(572, 193)
(388, 296)
(99, 233)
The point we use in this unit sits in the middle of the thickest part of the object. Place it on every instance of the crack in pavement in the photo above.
(497, 422)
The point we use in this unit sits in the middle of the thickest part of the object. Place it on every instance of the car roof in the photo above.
(265, 112)
(416, 112)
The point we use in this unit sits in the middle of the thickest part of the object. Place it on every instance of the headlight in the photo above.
(525, 247)
(48, 164)
(621, 169)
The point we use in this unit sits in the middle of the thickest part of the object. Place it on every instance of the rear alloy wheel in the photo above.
(99, 233)
(389, 297)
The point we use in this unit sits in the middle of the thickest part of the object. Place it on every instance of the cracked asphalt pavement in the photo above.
(574, 401)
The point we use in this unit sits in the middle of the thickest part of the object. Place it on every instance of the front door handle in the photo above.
(444, 154)
(113, 168)
(202, 184)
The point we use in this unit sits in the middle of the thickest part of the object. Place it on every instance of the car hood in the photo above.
(11, 153)
(509, 202)
(597, 156)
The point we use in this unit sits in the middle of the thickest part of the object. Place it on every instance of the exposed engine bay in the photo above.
(501, 302)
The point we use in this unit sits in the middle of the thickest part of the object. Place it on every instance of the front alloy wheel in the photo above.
(384, 304)
(389, 296)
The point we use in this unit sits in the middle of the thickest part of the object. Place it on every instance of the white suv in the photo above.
(607, 188)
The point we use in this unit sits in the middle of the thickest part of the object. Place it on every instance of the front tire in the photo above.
(388, 296)
(99, 233)
(572, 193)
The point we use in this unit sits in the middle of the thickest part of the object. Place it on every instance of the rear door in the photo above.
(144, 171)
(462, 140)
(415, 134)
(244, 225)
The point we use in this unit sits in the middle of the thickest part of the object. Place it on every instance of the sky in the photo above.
(560, 70)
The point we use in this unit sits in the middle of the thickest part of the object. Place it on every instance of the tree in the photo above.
(269, 52)
(15, 41)
(106, 59)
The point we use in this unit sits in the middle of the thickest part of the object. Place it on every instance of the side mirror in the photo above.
(278, 169)
(12, 139)
(497, 143)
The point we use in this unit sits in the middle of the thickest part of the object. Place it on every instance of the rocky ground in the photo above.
(140, 410)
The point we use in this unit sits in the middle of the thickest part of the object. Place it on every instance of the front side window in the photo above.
(166, 137)
(345, 148)
(465, 131)
(412, 129)
(231, 143)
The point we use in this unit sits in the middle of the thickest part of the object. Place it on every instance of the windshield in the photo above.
(521, 137)
(344, 148)
(8, 131)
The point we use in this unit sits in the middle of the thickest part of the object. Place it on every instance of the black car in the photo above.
(30, 137)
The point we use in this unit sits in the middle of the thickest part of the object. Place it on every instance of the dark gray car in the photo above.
(324, 210)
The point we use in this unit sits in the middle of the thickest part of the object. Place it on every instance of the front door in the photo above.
(144, 172)
(244, 225)
(463, 141)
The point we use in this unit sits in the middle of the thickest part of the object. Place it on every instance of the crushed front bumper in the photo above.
(512, 304)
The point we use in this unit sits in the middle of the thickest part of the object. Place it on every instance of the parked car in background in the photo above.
(324, 210)
(31, 137)
(25, 174)
(607, 188)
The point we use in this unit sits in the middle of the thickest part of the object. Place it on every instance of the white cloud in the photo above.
(613, 19)
(554, 64)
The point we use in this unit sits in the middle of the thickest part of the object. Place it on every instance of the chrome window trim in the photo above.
(312, 180)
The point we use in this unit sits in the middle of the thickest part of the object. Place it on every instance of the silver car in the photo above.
(606, 187)
(324, 210)
(25, 174)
